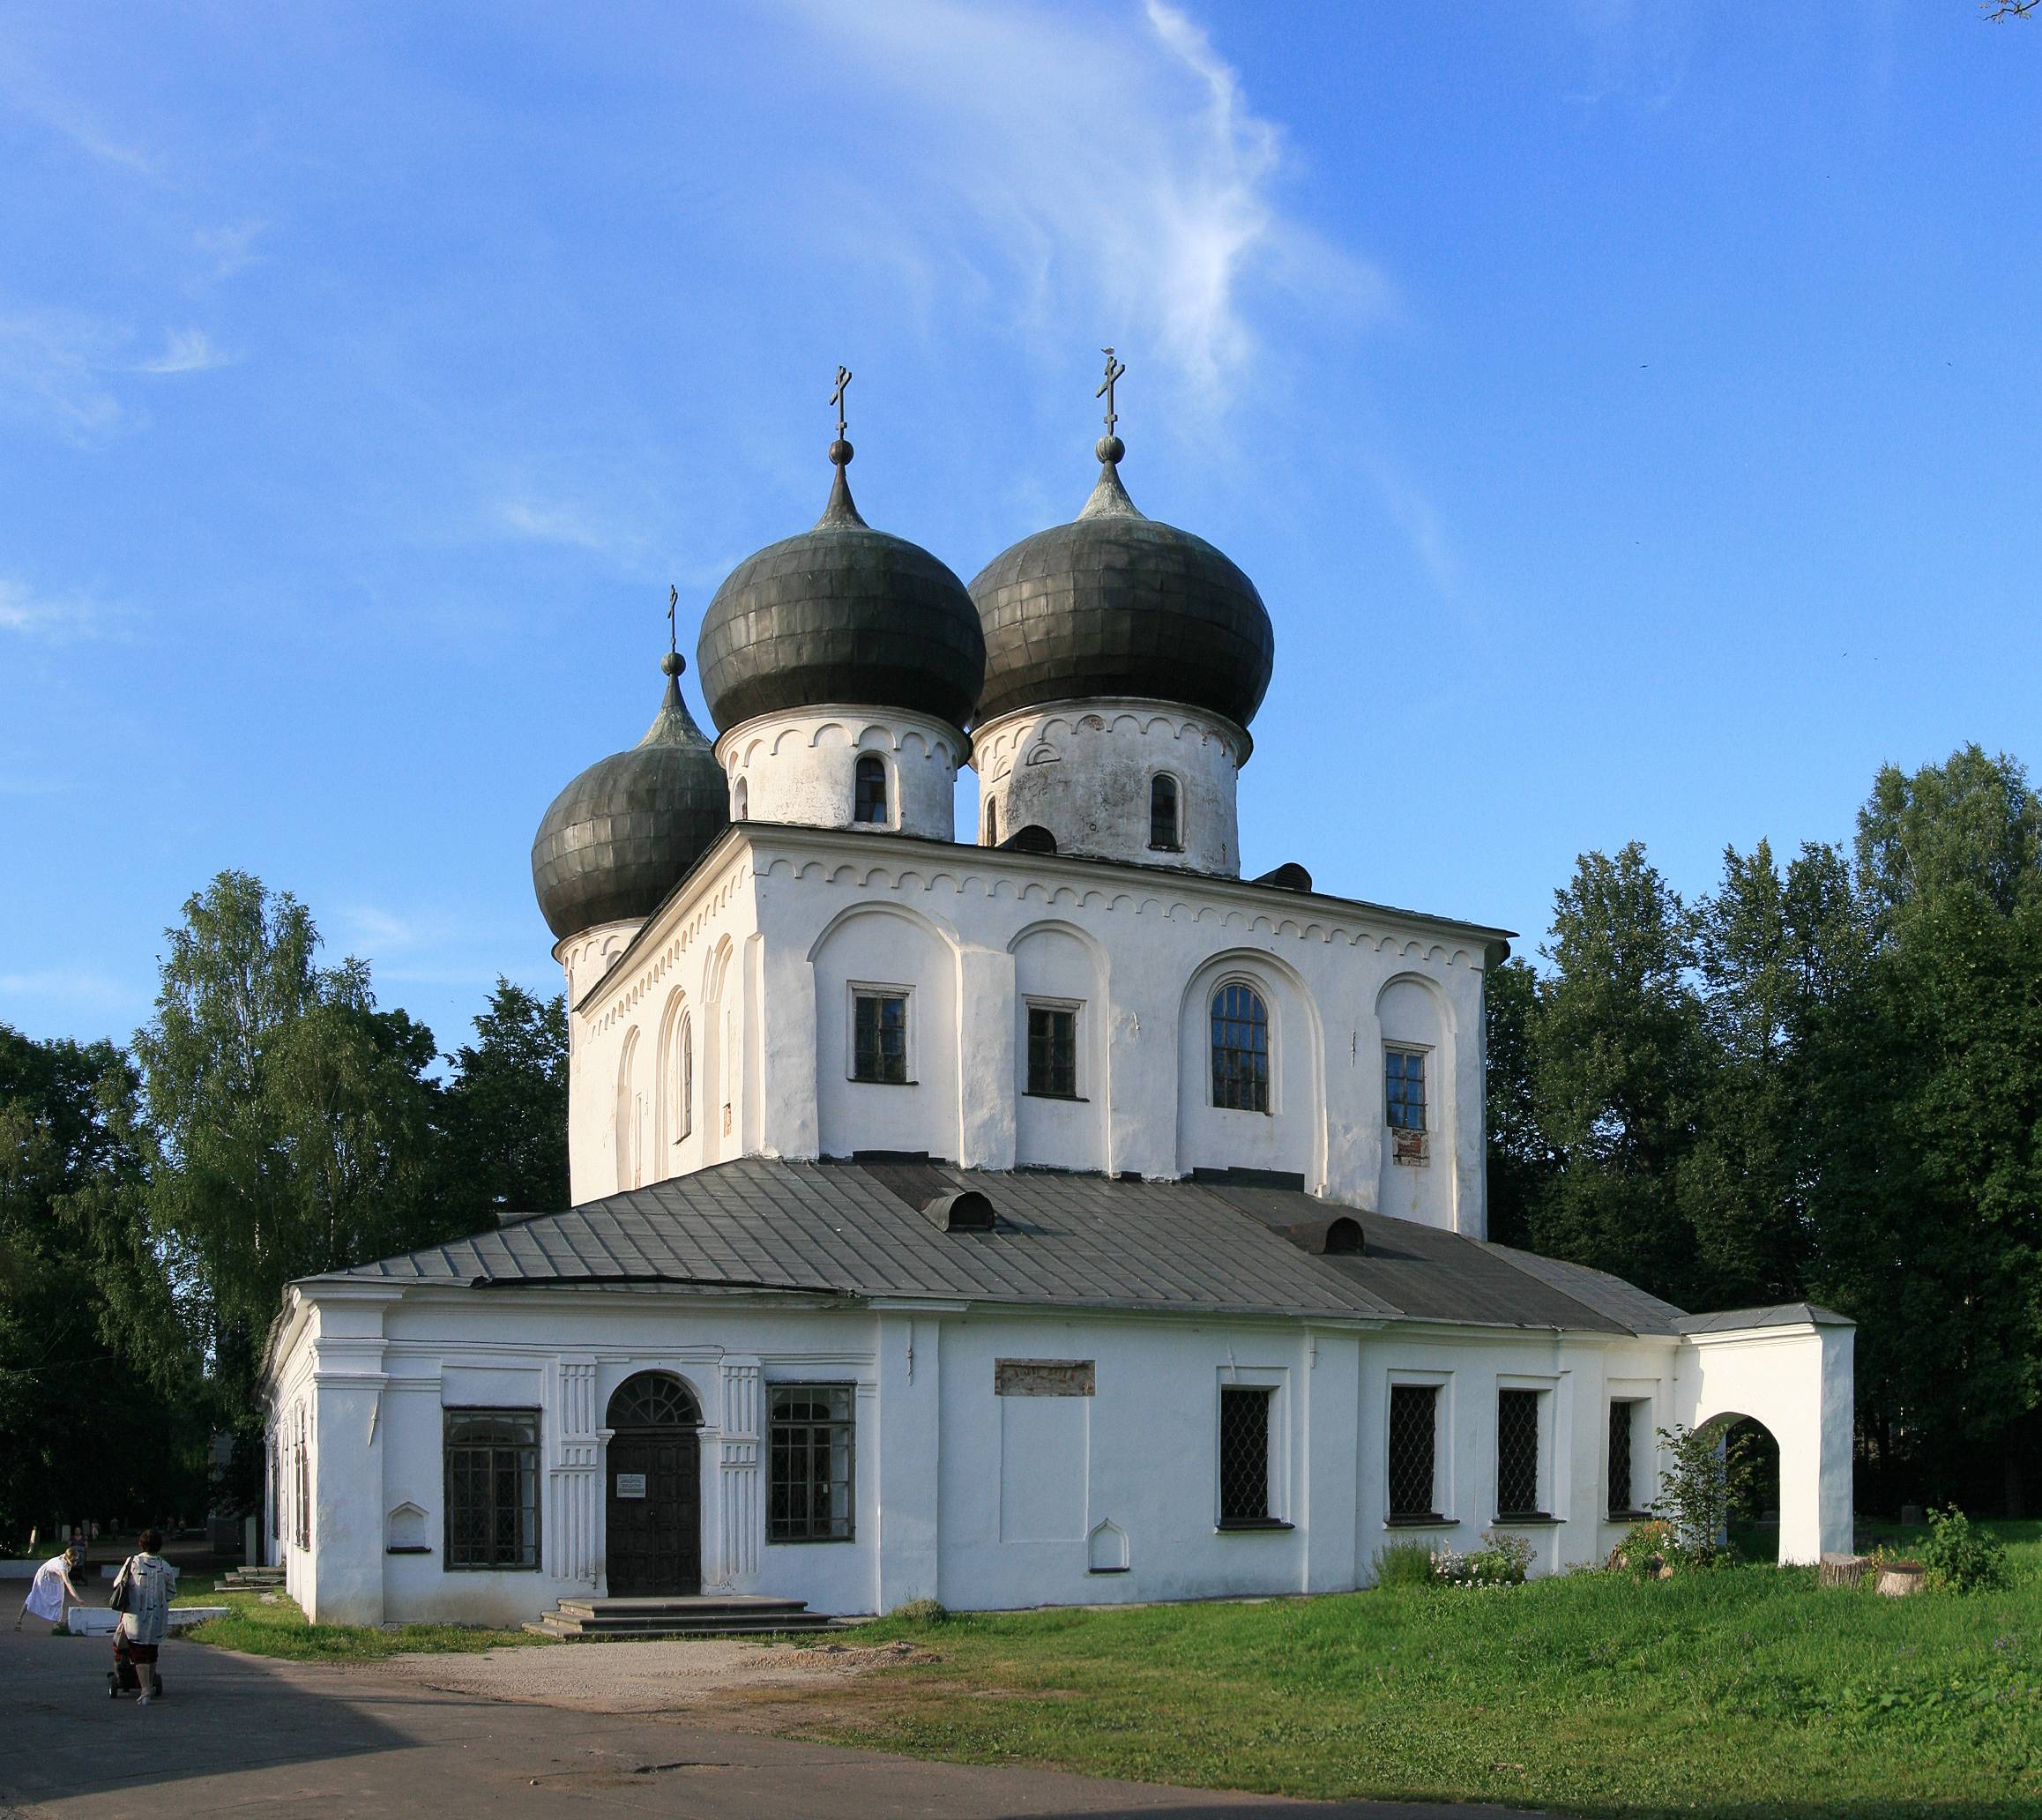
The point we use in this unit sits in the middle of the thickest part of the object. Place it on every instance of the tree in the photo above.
(506, 1111)
(99, 1385)
(1930, 1209)
(1520, 1162)
(1614, 1077)
(296, 1122)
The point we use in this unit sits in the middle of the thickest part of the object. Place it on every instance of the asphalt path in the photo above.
(241, 1737)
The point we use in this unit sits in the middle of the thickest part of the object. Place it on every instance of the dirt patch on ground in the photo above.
(655, 1677)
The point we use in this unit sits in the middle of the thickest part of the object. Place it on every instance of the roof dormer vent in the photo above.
(966, 1210)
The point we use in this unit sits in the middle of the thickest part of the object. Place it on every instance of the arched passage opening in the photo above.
(1747, 1453)
(652, 1509)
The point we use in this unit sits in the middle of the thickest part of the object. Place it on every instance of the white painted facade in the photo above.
(981, 1500)
(803, 767)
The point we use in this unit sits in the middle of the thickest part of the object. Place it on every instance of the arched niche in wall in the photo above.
(674, 1097)
(886, 1032)
(1412, 1098)
(1062, 1054)
(1289, 1137)
(719, 1056)
(626, 1135)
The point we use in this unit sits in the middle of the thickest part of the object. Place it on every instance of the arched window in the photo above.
(684, 1074)
(653, 1399)
(870, 802)
(741, 800)
(992, 825)
(1165, 834)
(1240, 1048)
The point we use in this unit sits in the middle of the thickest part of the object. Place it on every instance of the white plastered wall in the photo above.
(1082, 770)
(801, 767)
(1798, 1380)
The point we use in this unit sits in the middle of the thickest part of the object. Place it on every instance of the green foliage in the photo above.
(1821, 1080)
(99, 1383)
(1960, 1558)
(1647, 1548)
(1404, 1564)
(1695, 1494)
(920, 1611)
(505, 1112)
(1503, 1560)
(276, 1627)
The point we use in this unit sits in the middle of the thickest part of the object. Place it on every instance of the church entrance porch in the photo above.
(652, 1509)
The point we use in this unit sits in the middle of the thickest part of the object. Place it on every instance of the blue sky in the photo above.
(1628, 414)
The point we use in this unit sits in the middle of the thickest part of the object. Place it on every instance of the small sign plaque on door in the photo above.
(630, 1484)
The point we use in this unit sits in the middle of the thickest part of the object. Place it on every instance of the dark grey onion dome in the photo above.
(842, 613)
(1114, 603)
(625, 831)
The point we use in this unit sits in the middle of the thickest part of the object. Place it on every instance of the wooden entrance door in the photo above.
(654, 1513)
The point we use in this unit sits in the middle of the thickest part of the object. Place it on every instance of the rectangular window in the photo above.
(879, 1037)
(1052, 1052)
(492, 1462)
(810, 1441)
(1404, 1089)
(1414, 1415)
(1517, 1454)
(1244, 1422)
(1621, 1494)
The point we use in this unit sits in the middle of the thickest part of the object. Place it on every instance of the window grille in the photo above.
(492, 1463)
(1244, 1414)
(1413, 1410)
(1517, 1453)
(811, 1434)
(1404, 1089)
(653, 1399)
(1052, 1052)
(303, 1515)
(1163, 834)
(1240, 1048)
(1619, 1457)
(276, 1491)
(684, 1122)
(870, 802)
(879, 1038)
(992, 825)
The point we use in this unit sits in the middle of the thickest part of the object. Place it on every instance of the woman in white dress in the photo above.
(51, 1594)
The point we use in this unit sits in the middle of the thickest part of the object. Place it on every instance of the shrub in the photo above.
(1502, 1561)
(1404, 1564)
(920, 1611)
(1961, 1559)
(1694, 1488)
(1647, 1549)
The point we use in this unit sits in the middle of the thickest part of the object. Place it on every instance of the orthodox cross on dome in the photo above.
(1114, 372)
(837, 398)
(673, 601)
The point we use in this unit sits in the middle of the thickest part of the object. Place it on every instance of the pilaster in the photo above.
(739, 1480)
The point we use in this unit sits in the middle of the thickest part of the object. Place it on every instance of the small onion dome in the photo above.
(842, 613)
(625, 831)
(1114, 603)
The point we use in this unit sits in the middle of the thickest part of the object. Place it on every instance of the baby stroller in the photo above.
(122, 1678)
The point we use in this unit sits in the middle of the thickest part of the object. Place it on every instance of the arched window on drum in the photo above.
(1240, 1048)
(870, 804)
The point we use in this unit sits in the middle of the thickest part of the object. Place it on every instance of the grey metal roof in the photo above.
(855, 1229)
(841, 612)
(625, 832)
(1786, 1314)
(1117, 604)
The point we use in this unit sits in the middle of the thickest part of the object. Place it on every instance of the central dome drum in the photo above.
(841, 614)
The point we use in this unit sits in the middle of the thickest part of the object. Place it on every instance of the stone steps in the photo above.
(252, 1579)
(586, 1620)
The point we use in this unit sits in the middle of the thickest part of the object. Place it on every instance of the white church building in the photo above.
(1055, 1217)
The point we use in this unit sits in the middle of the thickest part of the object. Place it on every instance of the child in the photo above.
(51, 1595)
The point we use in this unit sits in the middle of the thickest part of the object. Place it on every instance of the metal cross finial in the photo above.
(837, 398)
(1114, 372)
(672, 600)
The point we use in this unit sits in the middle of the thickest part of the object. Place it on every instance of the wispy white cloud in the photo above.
(26, 91)
(52, 364)
(55, 619)
(1119, 173)
(185, 350)
(82, 985)
(231, 249)
(560, 521)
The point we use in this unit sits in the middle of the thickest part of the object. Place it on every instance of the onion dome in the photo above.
(1114, 603)
(625, 831)
(842, 613)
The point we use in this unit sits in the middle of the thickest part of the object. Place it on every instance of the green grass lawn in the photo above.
(279, 1628)
(1747, 1691)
